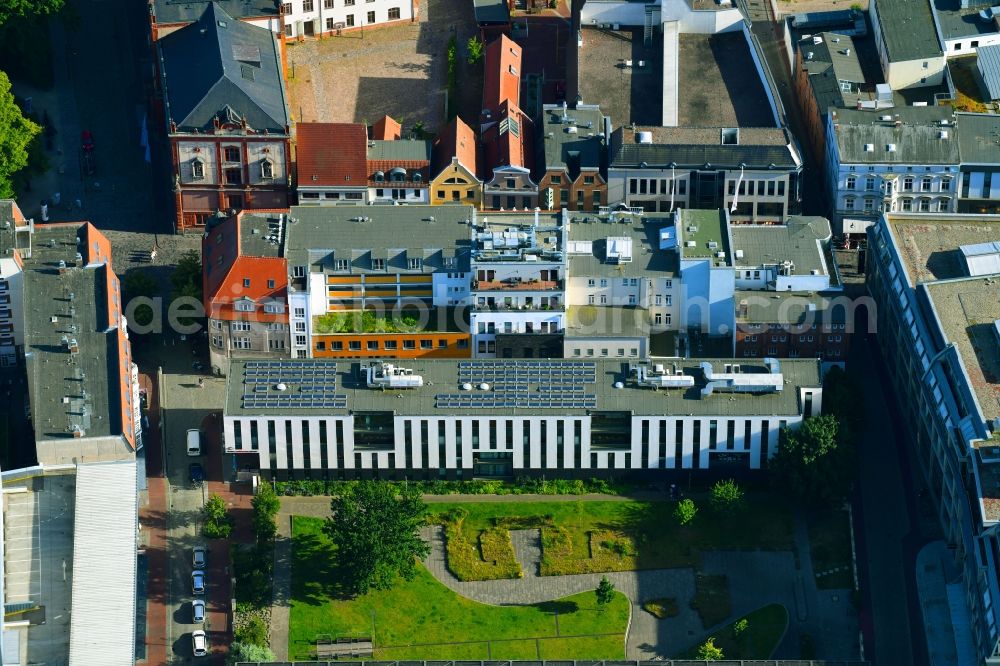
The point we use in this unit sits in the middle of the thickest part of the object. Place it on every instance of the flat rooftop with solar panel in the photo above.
(513, 387)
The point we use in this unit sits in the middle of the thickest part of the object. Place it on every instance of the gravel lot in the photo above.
(397, 70)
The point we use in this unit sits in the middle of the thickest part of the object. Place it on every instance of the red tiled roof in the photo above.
(508, 142)
(226, 271)
(331, 154)
(386, 129)
(456, 140)
(502, 73)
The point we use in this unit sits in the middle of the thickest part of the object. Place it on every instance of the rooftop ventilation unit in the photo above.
(387, 375)
(645, 137)
(869, 147)
(891, 147)
(943, 134)
(885, 118)
(659, 376)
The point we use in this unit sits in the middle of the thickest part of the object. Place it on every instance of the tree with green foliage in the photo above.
(138, 284)
(16, 135)
(685, 511)
(186, 278)
(727, 496)
(245, 652)
(813, 463)
(218, 522)
(265, 505)
(605, 592)
(475, 50)
(740, 627)
(22, 8)
(375, 528)
(709, 651)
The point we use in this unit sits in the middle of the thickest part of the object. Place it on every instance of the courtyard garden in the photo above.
(753, 636)
(422, 619)
(599, 536)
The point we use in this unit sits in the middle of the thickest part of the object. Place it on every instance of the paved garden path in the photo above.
(647, 636)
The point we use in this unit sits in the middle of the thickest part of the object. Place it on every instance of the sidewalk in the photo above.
(153, 519)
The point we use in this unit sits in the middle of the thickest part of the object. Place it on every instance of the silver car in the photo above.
(198, 557)
(198, 582)
(197, 611)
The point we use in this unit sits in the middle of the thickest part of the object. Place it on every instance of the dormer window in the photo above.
(197, 169)
(378, 264)
(417, 177)
(379, 177)
(397, 175)
(415, 264)
(266, 168)
(245, 305)
(273, 308)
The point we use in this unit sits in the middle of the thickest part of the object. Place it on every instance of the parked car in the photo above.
(196, 473)
(199, 643)
(197, 611)
(198, 557)
(198, 582)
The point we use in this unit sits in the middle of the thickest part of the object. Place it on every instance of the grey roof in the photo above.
(222, 68)
(647, 258)
(988, 61)
(978, 137)
(799, 240)
(321, 234)
(907, 28)
(94, 370)
(833, 60)
(491, 11)
(573, 147)
(919, 139)
(793, 308)
(957, 22)
(400, 149)
(441, 376)
(189, 11)
(689, 147)
(256, 229)
(591, 321)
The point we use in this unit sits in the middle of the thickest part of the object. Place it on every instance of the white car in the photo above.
(199, 643)
(198, 582)
(198, 557)
(197, 611)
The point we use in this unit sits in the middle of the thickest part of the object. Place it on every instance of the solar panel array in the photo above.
(524, 384)
(308, 385)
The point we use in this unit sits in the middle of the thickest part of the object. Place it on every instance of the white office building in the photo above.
(465, 419)
(315, 18)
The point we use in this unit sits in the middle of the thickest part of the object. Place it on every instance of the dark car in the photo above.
(196, 473)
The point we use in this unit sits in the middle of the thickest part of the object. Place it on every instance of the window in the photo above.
(298, 271)
(390, 345)
(286, 8)
(590, 299)
(372, 345)
(232, 153)
(925, 205)
(849, 203)
(906, 205)
(246, 282)
(393, 13)
(946, 184)
(409, 344)
(300, 327)
(371, 17)
(378, 264)
(240, 326)
(631, 299)
(234, 176)
(415, 264)
(241, 343)
(349, 19)
(869, 205)
(197, 169)
(925, 184)
(273, 308)
(427, 344)
(300, 312)
(851, 182)
(870, 183)
(555, 180)
(328, 4)
(266, 169)
(354, 345)
(604, 282)
(288, 30)
(591, 282)
(307, 5)
(604, 299)
(511, 184)
(908, 184)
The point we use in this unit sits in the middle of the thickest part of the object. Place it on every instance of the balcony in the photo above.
(517, 284)
(492, 306)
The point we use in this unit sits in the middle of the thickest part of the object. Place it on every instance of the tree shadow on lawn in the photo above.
(558, 607)
(659, 541)
(316, 578)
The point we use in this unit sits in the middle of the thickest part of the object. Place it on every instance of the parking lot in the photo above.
(398, 70)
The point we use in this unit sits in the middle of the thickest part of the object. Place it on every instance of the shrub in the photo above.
(727, 496)
(709, 651)
(491, 558)
(685, 511)
(521, 486)
(252, 631)
(661, 608)
(475, 49)
(558, 559)
(740, 627)
(241, 652)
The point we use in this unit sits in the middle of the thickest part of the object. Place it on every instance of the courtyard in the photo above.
(397, 70)
(526, 568)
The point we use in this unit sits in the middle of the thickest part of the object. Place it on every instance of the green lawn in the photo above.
(765, 628)
(621, 535)
(830, 547)
(422, 619)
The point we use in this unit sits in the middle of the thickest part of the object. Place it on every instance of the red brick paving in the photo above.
(153, 519)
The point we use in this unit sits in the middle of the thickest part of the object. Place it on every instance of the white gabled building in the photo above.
(315, 18)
